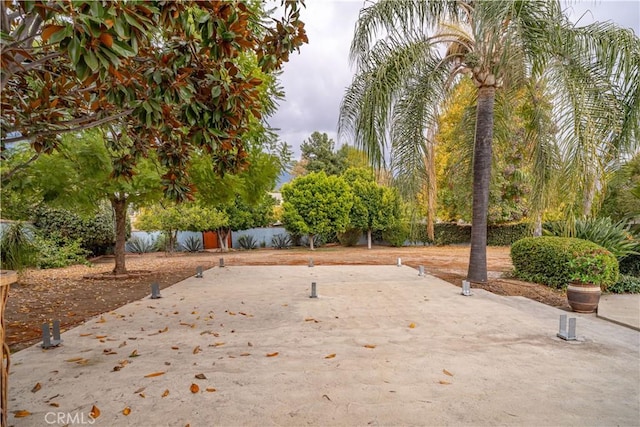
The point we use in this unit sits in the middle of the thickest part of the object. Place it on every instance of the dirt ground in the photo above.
(76, 293)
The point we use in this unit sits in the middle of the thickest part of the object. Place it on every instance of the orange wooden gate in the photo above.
(211, 240)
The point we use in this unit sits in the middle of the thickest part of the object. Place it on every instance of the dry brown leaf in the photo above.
(102, 320)
(126, 411)
(134, 353)
(54, 404)
(218, 344)
(201, 377)
(21, 414)
(175, 347)
(369, 346)
(154, 374)
(101, 336)
(444, 382)
(245, 354)
(142, 395)
(231, 313)
(197, 349)
(166, 328)
(123, 344)
(36, 388)
(272, 354)
(309, 319)
(244, 314)
(85, 335)
(412, 325)
(330, 356)
(210, 389)
(95, 412)
(194, 388)
(447, 372)
(165, 393)
(75, 359)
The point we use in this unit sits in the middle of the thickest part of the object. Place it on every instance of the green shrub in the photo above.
(548, 260)
(451, 234)
(397, 234)
(247, 242)
(507, 234)
(630, 265)
(17, 250)
(57, 252)
(625, 284)
(141, 245)
(192, 244)
(281, 241)
(349, 237)
(616, 237)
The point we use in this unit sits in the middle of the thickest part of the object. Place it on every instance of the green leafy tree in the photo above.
(166, 72)
(319, 154)
(621, 202)
(315, 204)
(592, 75)
(374, 207)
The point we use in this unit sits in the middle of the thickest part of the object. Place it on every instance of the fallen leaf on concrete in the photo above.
(175, 347)
(54, 404)
(85, 335)
(447, 372)
(95, 412)
(194, 388)
(21, 414)
(123, 344)
(197, 349)
(154, 374)
(369, 346)
(330, 356)
(327, 397)
(36, 388)
(201, 377)
(443, 382)
(231, 313)
(140, 390)
(412, 325)
(134, 353)
(210, 389)
(272, 354)
(245, 354)
(102, 320)
(165, 393)
(75, 359)
(101, 336)
(142, 395)
(126, 411)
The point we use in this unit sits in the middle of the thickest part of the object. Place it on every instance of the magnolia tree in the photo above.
(167, 71)
(315, 204)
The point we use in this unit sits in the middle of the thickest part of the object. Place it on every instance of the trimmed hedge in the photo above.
(451, 233)
(547, 259)
(349, 237)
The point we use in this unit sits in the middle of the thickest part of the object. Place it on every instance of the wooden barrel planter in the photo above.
(7, 277)
(583, 297)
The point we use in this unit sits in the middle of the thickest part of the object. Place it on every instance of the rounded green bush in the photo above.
(555, 261)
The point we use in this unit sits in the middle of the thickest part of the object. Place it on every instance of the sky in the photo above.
(315, 80)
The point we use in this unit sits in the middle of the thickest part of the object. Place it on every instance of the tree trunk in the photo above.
(537, 225)
(119, 206)
(369, 238)
(223, 239)
(311, 242)
(481, 181)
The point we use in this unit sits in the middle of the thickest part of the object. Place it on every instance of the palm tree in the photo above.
(403, 78)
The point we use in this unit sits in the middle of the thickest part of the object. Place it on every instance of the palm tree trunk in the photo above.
(119, 205)
(481, 182)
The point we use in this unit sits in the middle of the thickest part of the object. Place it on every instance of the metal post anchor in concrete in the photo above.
(47, 340)
(155, 291)
(199, 272)
(466, 288)
(311, 262)
(421, 270)
(564, 333)
(221, 262)
(399, 262)
(313, 290)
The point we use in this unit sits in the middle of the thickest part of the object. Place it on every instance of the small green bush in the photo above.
(281, 241)
(397, 234)
(192, 244)
(548, 260)
(247, 242)
(349, 237)
(141, 245)
(451, 234)
(57, 252)
(625, 284)
(630, 265)
(507, 234)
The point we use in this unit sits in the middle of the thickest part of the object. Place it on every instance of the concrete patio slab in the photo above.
(380, 346)
(623, 309)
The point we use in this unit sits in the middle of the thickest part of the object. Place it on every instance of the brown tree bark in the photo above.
(119, 205)
(482, 154)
